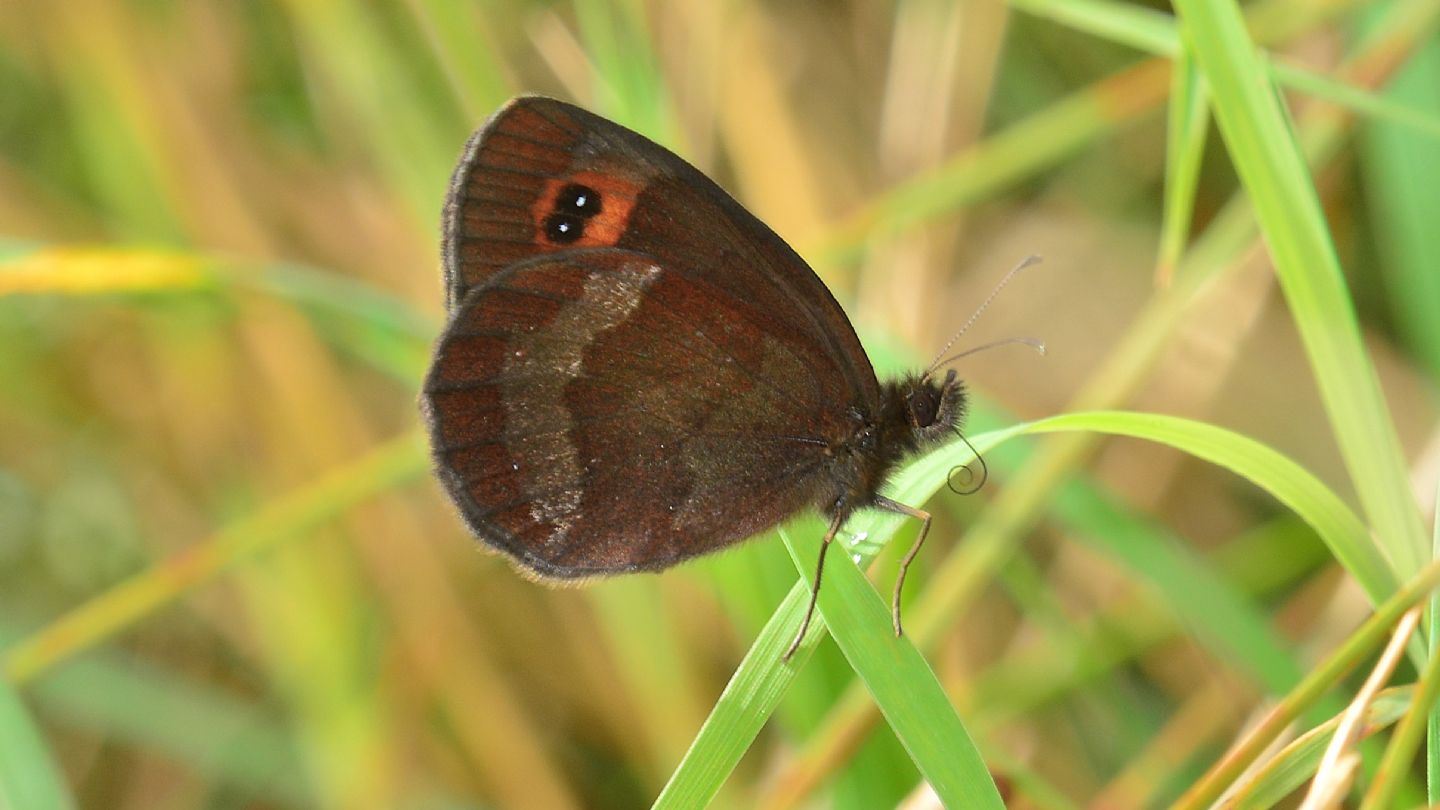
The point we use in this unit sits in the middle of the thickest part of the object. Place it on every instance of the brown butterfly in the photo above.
(637, 371)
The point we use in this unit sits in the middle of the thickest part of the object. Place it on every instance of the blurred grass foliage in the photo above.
(226, 579)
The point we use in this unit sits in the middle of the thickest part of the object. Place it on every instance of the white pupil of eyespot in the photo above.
(580, 201)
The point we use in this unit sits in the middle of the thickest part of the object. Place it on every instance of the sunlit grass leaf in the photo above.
(1188, 123)
(633, 90)
(29, 779)
(1432, 726)
(88, 271)
(1232, 626)
(752, 692)
(761, 678)
(1270, 164)
(1402, 175)
(354, 317)
(1416, 121)
(1155, 33)
(898, 677)
(1284, 479)
(412, 136)
(1002, 160)
(1144, 29)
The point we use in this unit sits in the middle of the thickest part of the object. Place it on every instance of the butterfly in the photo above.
(636, 371)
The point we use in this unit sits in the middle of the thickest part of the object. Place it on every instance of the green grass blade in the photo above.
(473, 68)
(1014, 510)
(412, 135)
(1140, 28)
(1415, 120)
(1260, 142)
(749, 699)
(1284, 479)
(1402, 175)
(1156, 33)
(761, 678)
(1188, 123)
(1049, 136)
(1027, 681)
(29, 779)
(354, 317)
(630, 86)
(1432, 745)
(898, 677)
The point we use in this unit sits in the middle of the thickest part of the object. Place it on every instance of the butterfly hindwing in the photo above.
(595, 412)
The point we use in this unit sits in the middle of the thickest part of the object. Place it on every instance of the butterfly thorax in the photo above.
(914, 414)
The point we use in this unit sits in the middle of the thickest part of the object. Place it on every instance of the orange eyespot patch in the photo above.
(586, 209)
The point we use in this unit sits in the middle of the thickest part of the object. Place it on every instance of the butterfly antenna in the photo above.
(1037, 345)
(1014, 271)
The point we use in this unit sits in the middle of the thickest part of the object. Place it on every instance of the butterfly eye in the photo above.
(578, 199)
(924, 406)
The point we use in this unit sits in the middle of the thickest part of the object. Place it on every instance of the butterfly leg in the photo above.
(814, 590)
(888, 505)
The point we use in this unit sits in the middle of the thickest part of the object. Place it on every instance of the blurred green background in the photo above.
(227, 579)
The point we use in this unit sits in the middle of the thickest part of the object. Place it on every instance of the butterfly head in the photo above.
(934, 409)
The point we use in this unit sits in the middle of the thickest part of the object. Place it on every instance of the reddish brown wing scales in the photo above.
(510, 194)
(637, 370)
(631, 419)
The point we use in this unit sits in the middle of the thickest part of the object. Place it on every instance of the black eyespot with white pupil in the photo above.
(578, 199)
(573, 206)
(562, 229)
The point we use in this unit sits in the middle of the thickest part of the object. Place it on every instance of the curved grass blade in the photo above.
(1286, 481)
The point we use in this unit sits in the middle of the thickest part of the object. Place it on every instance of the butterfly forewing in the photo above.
(519, 167)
